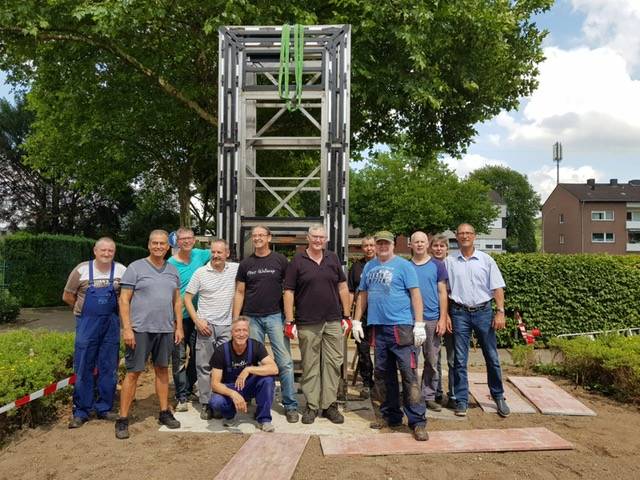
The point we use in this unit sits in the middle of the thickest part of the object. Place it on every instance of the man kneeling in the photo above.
(241, 370)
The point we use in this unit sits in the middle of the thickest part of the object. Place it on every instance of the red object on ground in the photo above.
(535, 332)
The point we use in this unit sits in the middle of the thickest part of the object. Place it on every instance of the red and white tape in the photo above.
(54, 387)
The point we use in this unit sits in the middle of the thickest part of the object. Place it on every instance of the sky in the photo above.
(588, 99)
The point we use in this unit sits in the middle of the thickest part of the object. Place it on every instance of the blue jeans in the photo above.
(184, 378)
(464, 323)
(273, 326)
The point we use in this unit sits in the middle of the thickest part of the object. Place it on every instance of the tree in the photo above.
(400, 193)
(523, 205)
(120, 88)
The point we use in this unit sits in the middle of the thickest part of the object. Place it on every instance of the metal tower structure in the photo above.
(249, 108)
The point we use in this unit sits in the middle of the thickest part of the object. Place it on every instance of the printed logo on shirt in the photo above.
(239, 363)
(380, 278)
(260, 271)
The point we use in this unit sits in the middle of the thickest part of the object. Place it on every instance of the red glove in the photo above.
(346, 325)
(290, 330)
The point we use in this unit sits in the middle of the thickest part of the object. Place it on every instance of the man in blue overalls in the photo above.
(241, 370)
(92, 289)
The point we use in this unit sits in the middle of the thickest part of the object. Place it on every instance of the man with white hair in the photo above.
(91, 290)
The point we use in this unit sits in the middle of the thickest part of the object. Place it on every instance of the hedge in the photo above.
(37, 266)
(571, 293)
(9, 307)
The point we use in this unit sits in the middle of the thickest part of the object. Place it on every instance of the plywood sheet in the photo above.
(480, 390)
(548, 397)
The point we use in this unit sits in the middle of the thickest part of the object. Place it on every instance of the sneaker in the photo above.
(365, 393)
(309, 415)
(420, 433)
(434, 405)
(230, 422)
(267, 427)
(333, 414)
(292, 416)
(206, 413)
(77, 422)
(122, 428)
(167, 419)
(108, 416)
(503, 409)
(461, 410)
(182, 406)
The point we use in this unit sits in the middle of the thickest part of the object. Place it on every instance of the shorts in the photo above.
(159, 345)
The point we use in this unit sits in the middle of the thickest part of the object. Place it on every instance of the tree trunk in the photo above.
(184, 198)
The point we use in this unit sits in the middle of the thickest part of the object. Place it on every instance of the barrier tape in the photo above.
(43, 392)
(526, 336)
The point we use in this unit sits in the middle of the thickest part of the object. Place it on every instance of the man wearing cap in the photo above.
(315, 283)
(474, 280)
(390, 292)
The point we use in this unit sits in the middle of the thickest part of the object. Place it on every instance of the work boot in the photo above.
(77, 422)
(433, 405)
(461, 410)
(182, 406)
(267, 427)
(309, 415)
(292, 416)
(333, 414)
(451, 403)
(108, 416)
(503, 409)
(206, 413)
(122, 428)
(420, 433)
(167, 419)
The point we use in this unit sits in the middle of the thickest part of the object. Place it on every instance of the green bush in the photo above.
(37, 266)
(31, 360)
(9, 307)
(570, 293)
(609, 364)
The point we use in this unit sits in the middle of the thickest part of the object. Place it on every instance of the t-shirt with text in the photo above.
(262, 277)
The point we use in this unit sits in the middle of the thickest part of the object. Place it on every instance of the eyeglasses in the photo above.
(465, 234)
(182, 239)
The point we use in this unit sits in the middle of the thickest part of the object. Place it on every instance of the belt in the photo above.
(471, 309)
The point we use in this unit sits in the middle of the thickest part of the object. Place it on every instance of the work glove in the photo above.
(346, 325)
(357, 331)
(290, 330)
(419, 334)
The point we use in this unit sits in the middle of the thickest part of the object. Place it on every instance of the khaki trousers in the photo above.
(321, 352)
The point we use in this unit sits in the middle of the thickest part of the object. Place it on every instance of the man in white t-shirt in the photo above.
(215, 285)
(91, 290)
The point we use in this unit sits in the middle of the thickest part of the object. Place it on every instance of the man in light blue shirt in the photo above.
(474, 280)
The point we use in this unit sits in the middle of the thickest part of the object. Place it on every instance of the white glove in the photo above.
(419, 334)
(357, 331)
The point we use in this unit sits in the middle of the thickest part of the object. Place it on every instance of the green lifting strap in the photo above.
(298, 56)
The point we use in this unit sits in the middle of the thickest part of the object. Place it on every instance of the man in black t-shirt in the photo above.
(241, 370)
(259, 296)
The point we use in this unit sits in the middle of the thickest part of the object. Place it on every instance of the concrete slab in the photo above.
(480, 390)
(548, 397)
(459, 441)
(262, 458)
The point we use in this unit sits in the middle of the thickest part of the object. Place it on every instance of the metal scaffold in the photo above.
(251, 102)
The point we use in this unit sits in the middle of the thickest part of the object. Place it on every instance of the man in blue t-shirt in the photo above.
(186, 260)
(432, 278)
(389, 291)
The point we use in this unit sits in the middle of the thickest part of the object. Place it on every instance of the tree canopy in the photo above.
(523, 205)
(121, 89)
(396, 191)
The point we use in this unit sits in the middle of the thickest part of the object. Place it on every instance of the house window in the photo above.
(561, 239)
(602, 215)
(561, 218)
(602, 238)
(633, 216)
(634, 237)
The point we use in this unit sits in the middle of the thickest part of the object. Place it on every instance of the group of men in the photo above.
(210, 317)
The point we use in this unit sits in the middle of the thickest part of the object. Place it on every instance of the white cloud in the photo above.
(543, 180)
(469, 163)
(614, 24)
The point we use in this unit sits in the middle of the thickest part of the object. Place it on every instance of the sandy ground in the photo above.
(606, 446)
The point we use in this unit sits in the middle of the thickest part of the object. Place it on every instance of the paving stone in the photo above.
(480, 390)
(548, 397)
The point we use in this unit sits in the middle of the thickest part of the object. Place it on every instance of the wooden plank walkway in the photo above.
(266, 456)
(480, 390)
(548, 397)
(458, 441)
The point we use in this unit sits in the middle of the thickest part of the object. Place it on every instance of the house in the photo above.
(592, 218)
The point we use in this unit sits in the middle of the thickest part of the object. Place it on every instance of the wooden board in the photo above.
(479, 388)
(548, 397)
(458, 441)
(266, 456)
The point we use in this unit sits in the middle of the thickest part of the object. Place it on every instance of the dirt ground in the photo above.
(606, 446)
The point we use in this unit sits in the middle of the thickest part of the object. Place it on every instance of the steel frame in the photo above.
(248, 67)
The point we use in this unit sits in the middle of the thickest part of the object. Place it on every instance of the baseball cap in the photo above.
(384, 235)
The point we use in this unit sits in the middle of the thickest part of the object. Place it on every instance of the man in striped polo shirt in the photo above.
(214, 284)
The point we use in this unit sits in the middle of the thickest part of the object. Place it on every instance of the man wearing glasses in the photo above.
(186, 260)
(258, 296)
(474, 280)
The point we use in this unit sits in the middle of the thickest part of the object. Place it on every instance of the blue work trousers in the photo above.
(389, 358)
(260, 388)
(480, 322)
